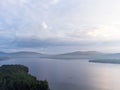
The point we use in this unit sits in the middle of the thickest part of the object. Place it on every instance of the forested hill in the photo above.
(16, 77)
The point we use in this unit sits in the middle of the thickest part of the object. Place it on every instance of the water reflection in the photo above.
(73, 74)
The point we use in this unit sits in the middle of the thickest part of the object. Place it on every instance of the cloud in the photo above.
(43, 23)
(105, 33)
(55, 1)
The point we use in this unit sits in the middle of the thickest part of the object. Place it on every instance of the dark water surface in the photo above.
(72, 74)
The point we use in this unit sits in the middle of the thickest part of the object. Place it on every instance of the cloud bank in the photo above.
(55, 25)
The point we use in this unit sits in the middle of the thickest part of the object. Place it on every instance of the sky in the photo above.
(57, 26)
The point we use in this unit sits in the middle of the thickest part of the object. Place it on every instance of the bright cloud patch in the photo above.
(55, 1)
(44, 25)
(105, 33)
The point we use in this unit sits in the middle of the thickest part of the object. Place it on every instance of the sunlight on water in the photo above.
(73, 74)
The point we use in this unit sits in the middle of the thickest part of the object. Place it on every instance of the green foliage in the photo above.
(16, 77)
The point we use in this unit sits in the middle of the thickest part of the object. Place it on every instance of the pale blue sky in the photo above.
(55, 26)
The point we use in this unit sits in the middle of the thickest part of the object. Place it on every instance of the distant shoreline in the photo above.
(109, 61)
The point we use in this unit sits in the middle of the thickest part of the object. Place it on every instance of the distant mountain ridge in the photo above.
(69, 55)
(25, 52)
(82, 53)
(87, 55)
(78, 55)
(21, 54)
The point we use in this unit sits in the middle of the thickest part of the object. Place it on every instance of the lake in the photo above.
(72, 74)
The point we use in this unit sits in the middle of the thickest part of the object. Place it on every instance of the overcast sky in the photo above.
(55, 26)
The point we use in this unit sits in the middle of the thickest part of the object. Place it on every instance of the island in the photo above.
(16, 77)
(110, 61)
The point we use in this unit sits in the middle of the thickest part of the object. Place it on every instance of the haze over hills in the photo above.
(87, 55)
(70, 55)
(78, 55)
(21, 54)
(82, 53)
(26, 53)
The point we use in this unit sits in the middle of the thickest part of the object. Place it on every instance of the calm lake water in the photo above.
(72, 74)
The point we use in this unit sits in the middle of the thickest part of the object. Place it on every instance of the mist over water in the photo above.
(72, 74)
